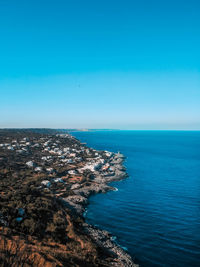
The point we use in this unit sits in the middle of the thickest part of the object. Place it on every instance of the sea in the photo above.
(155, 213)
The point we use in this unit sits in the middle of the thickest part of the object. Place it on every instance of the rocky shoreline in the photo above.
(80, 200)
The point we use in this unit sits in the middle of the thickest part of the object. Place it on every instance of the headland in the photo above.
(46, 179)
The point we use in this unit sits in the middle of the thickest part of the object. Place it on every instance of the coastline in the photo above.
(80, 201)
(52, 176)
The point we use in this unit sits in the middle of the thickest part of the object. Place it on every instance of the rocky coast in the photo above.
(46, 179)
(80, 200)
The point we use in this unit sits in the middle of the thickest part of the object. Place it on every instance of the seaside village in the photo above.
(46, 179)
(60, 161)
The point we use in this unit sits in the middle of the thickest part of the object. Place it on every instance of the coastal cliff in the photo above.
(46, 181)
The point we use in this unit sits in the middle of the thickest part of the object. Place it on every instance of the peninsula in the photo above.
(46, 178)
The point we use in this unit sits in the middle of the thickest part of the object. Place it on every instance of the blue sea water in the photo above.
(155, 213)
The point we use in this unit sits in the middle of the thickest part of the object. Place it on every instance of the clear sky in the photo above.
(122, 64)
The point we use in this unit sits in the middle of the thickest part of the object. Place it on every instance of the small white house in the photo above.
(108, 154)
(30, 164)
(46, 183)
(10, 148)
(38, 169)
(58, 180)
(72, 172)
(50, 170)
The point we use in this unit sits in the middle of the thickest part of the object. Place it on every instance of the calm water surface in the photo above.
(155, 213)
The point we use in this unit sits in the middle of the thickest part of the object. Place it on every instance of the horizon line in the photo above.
(93, 129)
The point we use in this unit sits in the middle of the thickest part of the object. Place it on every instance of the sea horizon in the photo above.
(98, 129)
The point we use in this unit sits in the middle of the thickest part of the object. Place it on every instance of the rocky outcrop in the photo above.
(104, 239)
(79, 201)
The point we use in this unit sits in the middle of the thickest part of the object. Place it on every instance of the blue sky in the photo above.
(100, 64)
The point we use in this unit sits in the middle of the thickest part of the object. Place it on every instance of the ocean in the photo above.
(155, 213)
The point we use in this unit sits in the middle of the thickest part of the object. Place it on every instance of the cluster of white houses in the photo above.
(22, 146)
(54, 151)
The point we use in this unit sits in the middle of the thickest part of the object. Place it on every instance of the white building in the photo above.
(72, 172)
(46, 183)
(38, 169)
(30, 164)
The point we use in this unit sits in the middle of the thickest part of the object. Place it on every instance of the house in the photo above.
(108, 154)
(6, 144)
(38, 169)
(58, 180)
(46, 183)
(72, 172)
(66, 149)
(50, 170)
(105, 167)
(10, 148)
(46, 143)
(30, 164)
